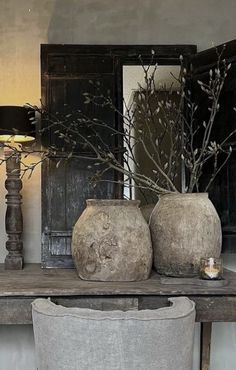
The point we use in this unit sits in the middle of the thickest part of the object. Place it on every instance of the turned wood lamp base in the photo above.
(14, 263)
(16, 129)
(14, 220)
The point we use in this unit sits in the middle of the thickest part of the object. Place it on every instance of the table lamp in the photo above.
(15, 129)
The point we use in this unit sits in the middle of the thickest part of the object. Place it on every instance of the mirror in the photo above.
(141, 113)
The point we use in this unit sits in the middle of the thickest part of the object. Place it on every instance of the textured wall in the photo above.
(24, 25)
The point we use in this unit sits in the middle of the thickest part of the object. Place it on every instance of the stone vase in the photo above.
(184, 228)
(111, 242)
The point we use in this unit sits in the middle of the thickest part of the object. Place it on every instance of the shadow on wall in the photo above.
(96, 21)
(17, 347)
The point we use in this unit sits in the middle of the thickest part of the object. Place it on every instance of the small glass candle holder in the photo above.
(211, 268)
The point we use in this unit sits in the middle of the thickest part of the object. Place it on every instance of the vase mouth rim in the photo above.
(201, 194)
(115, 202)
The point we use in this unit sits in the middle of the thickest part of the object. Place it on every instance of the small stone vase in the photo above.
(184, 229)
(111, 242)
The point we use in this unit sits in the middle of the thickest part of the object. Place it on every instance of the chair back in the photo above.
(85, 339)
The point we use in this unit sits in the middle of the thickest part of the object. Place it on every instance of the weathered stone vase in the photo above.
(111, 242)
(184, 228)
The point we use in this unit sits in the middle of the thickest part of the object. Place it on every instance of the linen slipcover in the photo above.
(85, 339)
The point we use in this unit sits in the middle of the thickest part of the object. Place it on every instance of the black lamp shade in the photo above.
(16, 123)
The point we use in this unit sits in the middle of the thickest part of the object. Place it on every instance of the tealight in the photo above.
(211, 268)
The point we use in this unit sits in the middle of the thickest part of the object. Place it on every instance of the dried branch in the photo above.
(164, 129)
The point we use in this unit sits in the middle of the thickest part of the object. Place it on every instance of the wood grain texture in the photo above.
(18, 290)
(66, 76)
(205, 345)
(208, 308)
(14, 220)
(34, 281)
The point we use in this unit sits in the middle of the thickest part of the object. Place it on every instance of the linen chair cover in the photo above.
(85, 339)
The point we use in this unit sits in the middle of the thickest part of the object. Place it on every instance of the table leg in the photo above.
(205, 345)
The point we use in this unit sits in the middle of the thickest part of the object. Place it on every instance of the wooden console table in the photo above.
(215, 301)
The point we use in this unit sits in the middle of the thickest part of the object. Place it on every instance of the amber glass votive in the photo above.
(211, 268)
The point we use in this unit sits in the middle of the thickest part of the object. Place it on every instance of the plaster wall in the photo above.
(24, 25)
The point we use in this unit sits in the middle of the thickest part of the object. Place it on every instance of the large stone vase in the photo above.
(111, 242)
(184, 228)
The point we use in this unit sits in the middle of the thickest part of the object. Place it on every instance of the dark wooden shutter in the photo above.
(223, 191)
(67, 73)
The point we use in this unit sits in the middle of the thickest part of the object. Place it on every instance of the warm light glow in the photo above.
(16, 138)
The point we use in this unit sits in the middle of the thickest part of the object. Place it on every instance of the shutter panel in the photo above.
(223, 191)
(66, 75)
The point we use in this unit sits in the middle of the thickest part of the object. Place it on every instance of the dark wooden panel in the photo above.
(205, 60)
(66, 97)
(126, 51)
(223, 196)
(65, 79)
(85, 64)
(223, 190)
(205, 345)
(64, 198)
(67, 72)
